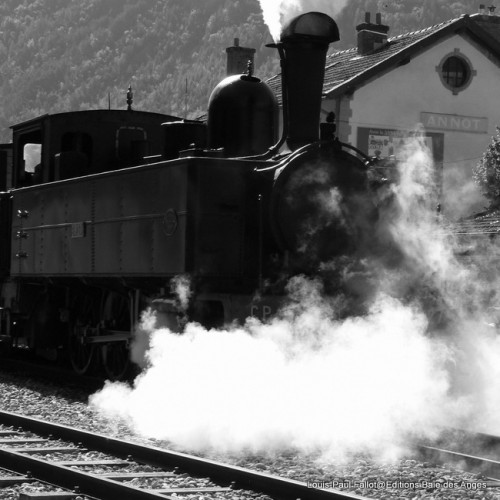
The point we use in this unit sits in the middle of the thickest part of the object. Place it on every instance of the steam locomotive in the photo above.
(120, 203)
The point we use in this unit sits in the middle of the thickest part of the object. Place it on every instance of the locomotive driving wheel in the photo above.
(116, 359)
(81, 353)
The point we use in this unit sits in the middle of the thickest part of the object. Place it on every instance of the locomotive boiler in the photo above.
(118, 204)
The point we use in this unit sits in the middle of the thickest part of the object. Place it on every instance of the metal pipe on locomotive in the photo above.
(122, 202)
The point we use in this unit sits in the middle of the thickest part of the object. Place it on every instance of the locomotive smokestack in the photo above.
(303, 45)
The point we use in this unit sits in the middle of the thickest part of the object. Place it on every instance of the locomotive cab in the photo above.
(67, 145)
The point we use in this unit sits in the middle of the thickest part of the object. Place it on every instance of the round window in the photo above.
(455, 72)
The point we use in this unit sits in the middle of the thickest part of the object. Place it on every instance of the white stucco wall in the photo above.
(395, 100)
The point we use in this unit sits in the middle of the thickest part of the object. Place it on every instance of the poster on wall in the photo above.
(389, 144)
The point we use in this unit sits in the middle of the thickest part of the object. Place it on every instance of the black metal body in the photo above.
(116, 207)
(5, 231)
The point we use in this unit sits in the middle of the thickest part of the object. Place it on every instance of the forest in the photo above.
(62, 55)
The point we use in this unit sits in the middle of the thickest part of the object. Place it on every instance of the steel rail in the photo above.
(478, 451)
(240, 478)
(486, 466)
(69, 478)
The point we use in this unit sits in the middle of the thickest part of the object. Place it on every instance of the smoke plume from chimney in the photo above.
(278, 12)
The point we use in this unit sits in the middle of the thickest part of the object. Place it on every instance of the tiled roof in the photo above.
(343, 66)
(345, 70)
(490, 24)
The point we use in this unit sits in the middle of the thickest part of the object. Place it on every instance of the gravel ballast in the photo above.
(404, 478)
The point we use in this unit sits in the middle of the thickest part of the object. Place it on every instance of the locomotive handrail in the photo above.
(369, 160)
(313, 145)
(291, 156)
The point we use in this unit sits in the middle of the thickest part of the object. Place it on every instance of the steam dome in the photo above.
(242, 116)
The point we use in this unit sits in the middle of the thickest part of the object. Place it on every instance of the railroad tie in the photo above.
(13, 480)
(49, 495)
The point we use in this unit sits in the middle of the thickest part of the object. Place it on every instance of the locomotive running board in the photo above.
(112, 336)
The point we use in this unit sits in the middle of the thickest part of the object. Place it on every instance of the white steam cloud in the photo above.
(278, 12)
(303, 380)
(310, 380)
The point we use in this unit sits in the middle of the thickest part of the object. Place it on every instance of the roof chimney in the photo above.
(371, 36)
(491, 9)
(237, 58)
(482, 8)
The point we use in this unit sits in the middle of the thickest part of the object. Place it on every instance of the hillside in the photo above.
(61, 55)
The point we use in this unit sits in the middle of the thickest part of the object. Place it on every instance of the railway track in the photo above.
(108, 468)
(475, 451)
